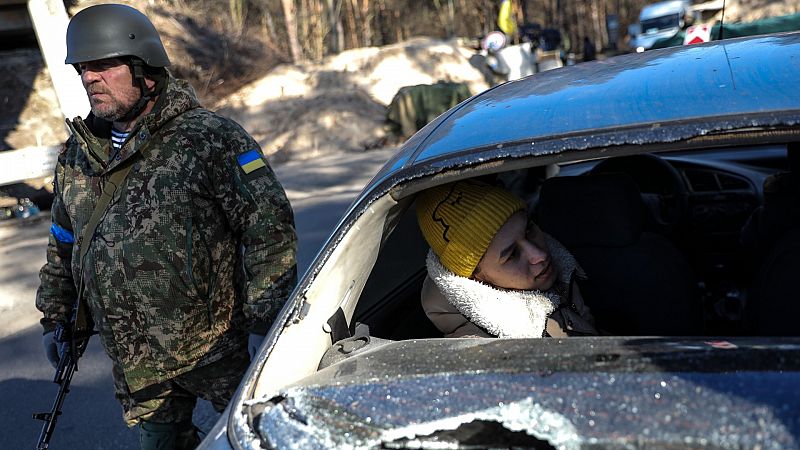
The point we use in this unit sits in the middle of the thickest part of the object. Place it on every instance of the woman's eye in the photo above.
(514, 254)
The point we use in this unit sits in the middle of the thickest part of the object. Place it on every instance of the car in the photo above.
(661, 20)
(652, 168)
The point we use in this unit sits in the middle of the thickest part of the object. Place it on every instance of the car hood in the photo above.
(546, 393)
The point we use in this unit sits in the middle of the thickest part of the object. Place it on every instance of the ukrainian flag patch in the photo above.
(250, 161)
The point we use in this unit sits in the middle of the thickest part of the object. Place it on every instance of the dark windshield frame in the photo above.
(661, 23)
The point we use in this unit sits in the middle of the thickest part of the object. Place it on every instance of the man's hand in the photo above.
(52, 349)
(253, 344)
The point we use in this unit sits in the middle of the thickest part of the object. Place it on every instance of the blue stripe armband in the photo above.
(61, 234)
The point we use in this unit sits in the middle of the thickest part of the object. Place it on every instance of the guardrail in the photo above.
(27, 163)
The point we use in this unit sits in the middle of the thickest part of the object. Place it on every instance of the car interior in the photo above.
(681, 243)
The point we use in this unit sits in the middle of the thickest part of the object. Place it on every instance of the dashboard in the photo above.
(701, 200)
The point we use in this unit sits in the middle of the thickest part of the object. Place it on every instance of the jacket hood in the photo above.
(505, 313)
(93, 133)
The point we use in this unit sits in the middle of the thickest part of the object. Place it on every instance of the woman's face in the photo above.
(515, 260)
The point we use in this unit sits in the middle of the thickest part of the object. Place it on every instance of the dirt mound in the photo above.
(305, 110)
(751, 10)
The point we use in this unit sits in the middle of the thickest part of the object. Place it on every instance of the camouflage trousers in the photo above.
(173, 401)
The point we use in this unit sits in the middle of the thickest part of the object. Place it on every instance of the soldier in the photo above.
(192, 254)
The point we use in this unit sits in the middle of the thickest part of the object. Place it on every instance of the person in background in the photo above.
(494, 273)
(589, 52)
(186, 264)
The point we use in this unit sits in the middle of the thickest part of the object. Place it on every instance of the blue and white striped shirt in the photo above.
(118, 138)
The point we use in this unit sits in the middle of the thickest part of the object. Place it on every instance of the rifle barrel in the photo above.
(63, 377)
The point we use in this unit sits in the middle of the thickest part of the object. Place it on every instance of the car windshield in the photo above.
(657, 24)
(544, 394)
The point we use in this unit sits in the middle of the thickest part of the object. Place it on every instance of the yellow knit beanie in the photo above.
(460, 219)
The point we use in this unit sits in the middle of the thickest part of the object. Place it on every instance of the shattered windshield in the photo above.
(564, 411)
(615, 406)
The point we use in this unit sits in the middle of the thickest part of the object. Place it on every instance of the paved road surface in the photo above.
(320, 190)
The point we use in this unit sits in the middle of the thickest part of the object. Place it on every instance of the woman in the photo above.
(491, 272)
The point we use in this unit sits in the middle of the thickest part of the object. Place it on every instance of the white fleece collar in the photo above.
(504, 313)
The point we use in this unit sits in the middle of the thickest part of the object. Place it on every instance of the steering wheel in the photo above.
(661, 185)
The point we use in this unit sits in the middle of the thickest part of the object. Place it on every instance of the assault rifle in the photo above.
(73, 344)
(74, 336)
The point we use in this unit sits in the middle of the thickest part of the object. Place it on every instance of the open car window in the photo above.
(695, 208)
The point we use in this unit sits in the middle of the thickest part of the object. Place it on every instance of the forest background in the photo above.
(334, 64)
(221, 45)
(254, 35)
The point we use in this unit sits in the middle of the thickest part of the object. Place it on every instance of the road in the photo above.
(319, 190)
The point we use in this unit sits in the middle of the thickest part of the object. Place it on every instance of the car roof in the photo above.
(652, 97)
(726, 92)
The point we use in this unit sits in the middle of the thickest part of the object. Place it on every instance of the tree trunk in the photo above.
(597, 20)
(291, 29)
(451, 18)
(366, 21)
(336, 40)
(382, 26)
(314, 28)
(352, 24)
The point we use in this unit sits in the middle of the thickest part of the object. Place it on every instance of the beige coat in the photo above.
(565, 321)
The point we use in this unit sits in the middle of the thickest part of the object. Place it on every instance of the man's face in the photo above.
(515, 260)
(109, 85)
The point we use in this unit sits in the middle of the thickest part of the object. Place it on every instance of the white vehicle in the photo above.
(658, 21)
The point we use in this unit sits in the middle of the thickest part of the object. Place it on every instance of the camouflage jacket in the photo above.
(196, 249)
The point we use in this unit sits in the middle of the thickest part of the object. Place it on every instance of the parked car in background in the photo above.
(652, 169)
(660, 20)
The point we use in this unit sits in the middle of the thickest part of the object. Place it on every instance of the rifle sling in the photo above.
(113, 182)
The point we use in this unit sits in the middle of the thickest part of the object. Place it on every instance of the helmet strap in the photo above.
(138, 72)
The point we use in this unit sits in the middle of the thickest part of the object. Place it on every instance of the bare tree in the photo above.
(336, 36)
(238, 12)
(365, 17)
(315, 28)
(291, 29)
(446, 15)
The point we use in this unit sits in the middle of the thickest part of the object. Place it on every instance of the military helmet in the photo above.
(110, 31)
